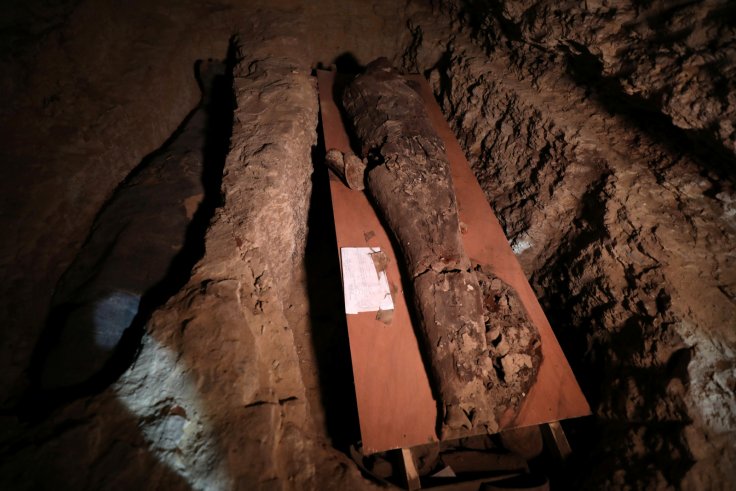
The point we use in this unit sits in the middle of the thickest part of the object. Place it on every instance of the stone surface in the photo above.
(215, 398)
(137, 251)
(69, 128)
(95, 87)
(627, 235)
(580, 122)
(673, 58)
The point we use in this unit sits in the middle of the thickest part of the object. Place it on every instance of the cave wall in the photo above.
(215, 398)
(601, 137)
(89, 100)
(92, 93)
(674, 58)
(627, 235)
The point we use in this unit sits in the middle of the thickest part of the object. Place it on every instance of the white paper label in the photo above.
(366, 290)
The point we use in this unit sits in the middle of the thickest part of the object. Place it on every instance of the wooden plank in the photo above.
(556, 394)
(395, 404)
(410, 470)
(556, 440)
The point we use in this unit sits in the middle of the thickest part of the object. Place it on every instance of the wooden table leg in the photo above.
(555, 438)
(410, 470)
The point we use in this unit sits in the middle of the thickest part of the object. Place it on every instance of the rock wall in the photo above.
(579, 123)
(215, 399)
(92, 88)
(235, 374)
(82, 93)
(674, 58)
(626, 235)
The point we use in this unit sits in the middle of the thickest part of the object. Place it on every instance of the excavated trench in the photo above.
(614, 185)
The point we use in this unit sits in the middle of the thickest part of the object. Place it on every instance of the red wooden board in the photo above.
(395, 404)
